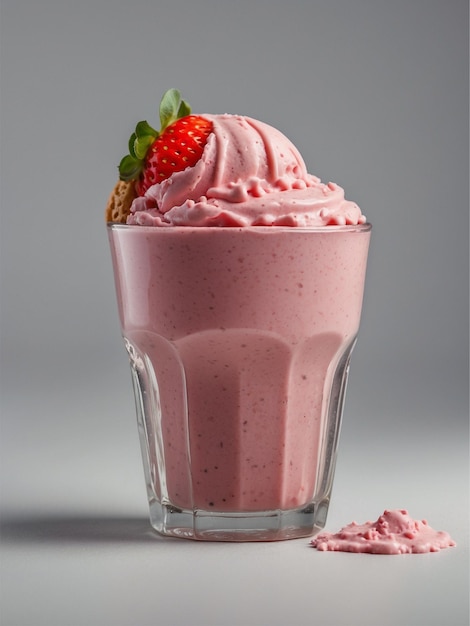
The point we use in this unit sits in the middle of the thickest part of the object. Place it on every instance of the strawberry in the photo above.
(178, 147)
(154, 156)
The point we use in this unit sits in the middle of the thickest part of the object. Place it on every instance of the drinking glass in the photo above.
(239, 341)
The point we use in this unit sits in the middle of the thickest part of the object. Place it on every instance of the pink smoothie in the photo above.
(240, 336)
(395, 532)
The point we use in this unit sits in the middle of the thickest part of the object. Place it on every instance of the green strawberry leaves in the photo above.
(141, 140)
(172, 107)
(130, 168)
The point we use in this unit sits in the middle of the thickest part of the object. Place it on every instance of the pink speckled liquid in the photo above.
(239, 341)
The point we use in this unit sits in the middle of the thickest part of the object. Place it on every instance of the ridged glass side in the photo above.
(172, 517)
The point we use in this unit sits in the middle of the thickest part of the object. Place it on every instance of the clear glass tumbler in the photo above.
(239, 342)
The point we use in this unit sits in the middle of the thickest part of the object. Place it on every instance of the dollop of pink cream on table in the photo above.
(395, 532)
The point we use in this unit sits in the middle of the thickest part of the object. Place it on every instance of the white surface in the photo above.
(77, 548)
(111, 572)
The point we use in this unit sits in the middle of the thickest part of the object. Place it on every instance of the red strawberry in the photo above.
(154, 156)
(178, 147)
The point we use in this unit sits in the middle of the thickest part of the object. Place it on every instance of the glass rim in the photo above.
(330, 228)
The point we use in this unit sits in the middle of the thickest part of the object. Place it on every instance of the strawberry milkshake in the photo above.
(394, 532)
(239, 280)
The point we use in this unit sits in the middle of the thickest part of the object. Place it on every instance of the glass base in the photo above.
(203, 525)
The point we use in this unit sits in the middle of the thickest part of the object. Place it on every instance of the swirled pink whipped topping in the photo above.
(250, 174)
(395, 532)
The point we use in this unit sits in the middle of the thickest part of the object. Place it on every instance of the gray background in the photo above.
(375, 95)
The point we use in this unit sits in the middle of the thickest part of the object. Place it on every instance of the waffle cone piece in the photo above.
(119, 202)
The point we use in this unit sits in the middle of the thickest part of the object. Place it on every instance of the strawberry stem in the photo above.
(172, 108)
